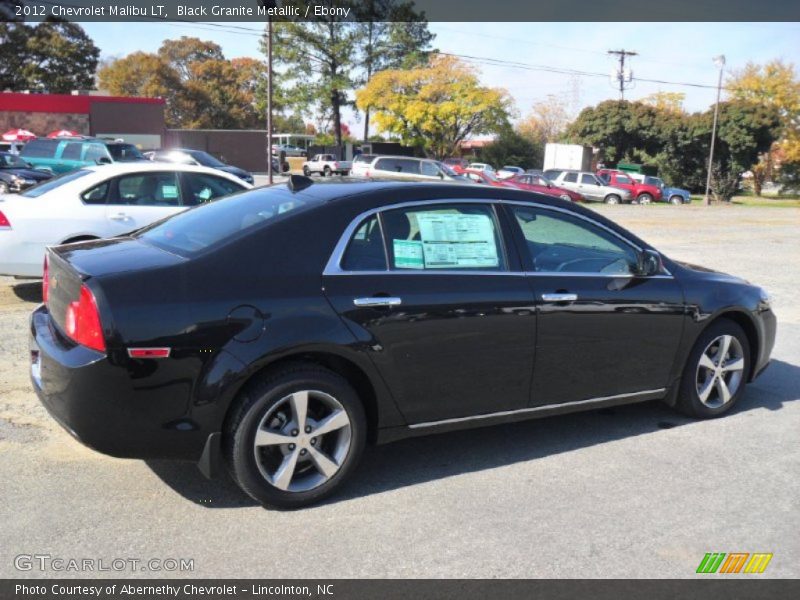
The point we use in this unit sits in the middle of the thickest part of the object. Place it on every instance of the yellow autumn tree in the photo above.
(774, 84)
(666, 101)
(436, 106)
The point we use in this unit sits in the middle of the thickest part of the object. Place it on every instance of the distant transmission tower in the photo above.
(623, 76)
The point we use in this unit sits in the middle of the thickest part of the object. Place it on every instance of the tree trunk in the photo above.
(337, 117)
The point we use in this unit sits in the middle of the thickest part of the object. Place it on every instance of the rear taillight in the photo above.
(83, 321)
(336, 165)
(366, 173)
(4, 222)
(45, 281)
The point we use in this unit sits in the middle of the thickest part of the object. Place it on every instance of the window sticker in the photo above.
(169, 191)
(453, 240)
(408, 254)
(204, 194)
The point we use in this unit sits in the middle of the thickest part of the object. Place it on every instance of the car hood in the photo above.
(706, 273)
(34, 174)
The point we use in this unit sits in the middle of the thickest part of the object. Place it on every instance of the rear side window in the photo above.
(429, 169)
(571, 177)
(365, 251)
(40, 149)
(51, 184)
(202, 188)
(457, 236)
(214, 223)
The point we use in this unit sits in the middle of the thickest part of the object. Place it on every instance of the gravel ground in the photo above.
(636, 491)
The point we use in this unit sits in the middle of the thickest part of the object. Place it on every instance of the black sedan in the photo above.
(278, 330)
(187, 156)
(17, 175)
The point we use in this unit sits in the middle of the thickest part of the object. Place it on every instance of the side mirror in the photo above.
(103, 160)
(648, 263)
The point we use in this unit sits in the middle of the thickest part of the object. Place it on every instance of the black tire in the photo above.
(3, 187)
(326, 171)
(286, 167)
(306, 172)
(676, 200)
(613, 199)
(256, 400)
(645, 198)
(689, 401)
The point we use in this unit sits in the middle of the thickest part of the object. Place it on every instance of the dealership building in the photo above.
(137, 120)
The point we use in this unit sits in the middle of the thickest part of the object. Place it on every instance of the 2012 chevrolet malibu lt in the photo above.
(275, 332)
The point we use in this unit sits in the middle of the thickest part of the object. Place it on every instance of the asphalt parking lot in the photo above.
(637, 491)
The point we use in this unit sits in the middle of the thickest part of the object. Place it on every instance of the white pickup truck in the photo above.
(326, 165)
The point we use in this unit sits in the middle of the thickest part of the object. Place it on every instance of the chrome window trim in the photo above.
(534, 409)
(333, 266)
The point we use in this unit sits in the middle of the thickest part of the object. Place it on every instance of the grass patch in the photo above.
(767, 201)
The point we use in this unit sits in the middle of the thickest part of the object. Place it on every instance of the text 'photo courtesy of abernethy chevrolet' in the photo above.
(400, 298)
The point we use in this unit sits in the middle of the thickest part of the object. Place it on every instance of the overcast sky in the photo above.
(674, 52)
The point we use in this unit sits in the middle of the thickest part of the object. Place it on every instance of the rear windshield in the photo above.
(50, 184)
(200, 228)
(364, 158)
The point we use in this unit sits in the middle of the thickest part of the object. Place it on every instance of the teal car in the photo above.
(62, 155)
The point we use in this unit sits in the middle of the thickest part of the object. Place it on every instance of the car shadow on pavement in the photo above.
(419, 460)
(28, 292)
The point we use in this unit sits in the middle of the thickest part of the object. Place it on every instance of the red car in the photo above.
(488, 178)
(459, 165)
(641, 193)
(539, 183)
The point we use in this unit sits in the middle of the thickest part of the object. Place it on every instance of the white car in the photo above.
(509, 171)
(481, 167)
(99, 202)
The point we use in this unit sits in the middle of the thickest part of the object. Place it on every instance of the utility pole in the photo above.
(269, 4)
(719, 61)
(621, 76)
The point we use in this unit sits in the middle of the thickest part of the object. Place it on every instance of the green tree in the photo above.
(54, 55)
(435, 107)
(512, 148)
(316, 64)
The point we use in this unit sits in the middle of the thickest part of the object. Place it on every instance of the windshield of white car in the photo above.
(50, 184)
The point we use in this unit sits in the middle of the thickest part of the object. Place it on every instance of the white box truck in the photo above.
(567, 157)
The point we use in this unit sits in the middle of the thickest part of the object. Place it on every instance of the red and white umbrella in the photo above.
(63, 133)
(18, 135)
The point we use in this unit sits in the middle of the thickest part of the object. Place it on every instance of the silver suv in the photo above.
(591, 187)
(407, 167)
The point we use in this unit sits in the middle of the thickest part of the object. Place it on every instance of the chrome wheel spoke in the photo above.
(705, 391)
(324, 464)
(265, 437)
(336, 420)
(734, 365)
(724, 346)
(299, 402)
(722, 390)
(283, 476)
(706, 362)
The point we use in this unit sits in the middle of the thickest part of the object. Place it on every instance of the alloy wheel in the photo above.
(302, 441)
(720, 371)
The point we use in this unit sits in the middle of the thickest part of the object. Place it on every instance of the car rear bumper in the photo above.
(104, 405)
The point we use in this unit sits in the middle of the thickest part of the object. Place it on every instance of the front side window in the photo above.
(147, 189)
(72, 151)
(457, 236)
(589, 179)
(560, 243)
(95, 152)
(429, 169)
(571, 178)
(365, 251)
